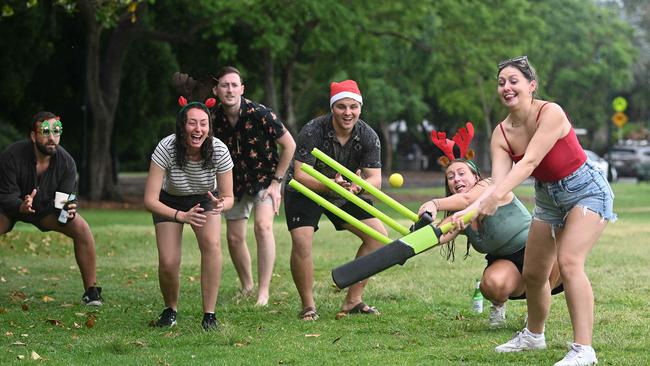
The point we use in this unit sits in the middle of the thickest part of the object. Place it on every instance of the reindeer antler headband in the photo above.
(462, 138)
(209, 103)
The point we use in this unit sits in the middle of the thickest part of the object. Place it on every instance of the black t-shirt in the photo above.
(18, 177)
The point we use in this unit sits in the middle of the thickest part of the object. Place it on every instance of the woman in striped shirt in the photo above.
(189, 182)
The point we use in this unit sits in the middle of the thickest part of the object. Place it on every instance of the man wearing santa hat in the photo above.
(353, 143)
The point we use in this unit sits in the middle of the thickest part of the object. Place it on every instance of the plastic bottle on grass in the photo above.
(477, 298)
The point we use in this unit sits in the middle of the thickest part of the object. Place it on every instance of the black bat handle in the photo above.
(370, 264)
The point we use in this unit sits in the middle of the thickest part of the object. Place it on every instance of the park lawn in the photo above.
(426, 304)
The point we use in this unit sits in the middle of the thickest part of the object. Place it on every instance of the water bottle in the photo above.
(477, 298)
(63, 216)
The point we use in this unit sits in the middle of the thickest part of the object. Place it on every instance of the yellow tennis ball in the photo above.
(396, 180)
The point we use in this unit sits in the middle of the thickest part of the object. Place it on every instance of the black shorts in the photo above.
(34, 219)
(517, 258)
(182, 203)
(301, 211)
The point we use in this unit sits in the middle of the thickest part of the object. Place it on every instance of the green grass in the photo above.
(426, 304)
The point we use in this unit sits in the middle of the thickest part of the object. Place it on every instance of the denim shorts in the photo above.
(587, 188)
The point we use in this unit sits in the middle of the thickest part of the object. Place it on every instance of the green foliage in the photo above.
(426, 304)
(9, 135)
(413, 59)
(594, 62)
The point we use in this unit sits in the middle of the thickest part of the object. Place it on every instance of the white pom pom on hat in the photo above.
(344, 89)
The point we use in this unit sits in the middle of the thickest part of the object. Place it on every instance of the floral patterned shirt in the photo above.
(252, 145)
(363, 149)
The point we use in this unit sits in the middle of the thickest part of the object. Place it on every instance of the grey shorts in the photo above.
(587, 188)
(242, 208)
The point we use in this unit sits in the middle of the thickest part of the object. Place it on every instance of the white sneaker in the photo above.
(497, 315)
(523, 341)
(578, 355)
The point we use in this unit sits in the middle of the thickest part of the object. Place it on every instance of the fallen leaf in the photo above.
(35, 356)
(312, 335)
(191, 278)
(90, 322)
(47, 298)
(75, 337)
(460, 317)
(2, 279)
(169, 334)
(336, 339)
(3, 310)
(24, 335)
(18, 343)
(55, 322)
(80, 314)
(17, 296)
(237, 344)
(139, 343)
(9, 334)
(67, 305)
(24, 306)
(20, 357)
(76, 325)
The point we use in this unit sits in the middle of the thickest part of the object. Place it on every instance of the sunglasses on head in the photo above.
(521, 60)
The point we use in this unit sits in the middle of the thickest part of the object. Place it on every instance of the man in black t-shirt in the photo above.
(354, 144)
(33, 171)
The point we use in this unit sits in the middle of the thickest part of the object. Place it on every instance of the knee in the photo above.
(569, 267)
(534, 279)
(80, 232)
(210, 246)
(263, 229)
(494, 286)
(169, 266)
(234, 239)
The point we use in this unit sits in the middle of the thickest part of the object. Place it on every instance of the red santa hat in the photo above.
(344, 89)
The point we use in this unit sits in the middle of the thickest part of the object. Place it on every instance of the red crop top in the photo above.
(563, 159)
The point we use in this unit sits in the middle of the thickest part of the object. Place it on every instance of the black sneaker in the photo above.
(92, 296)
(209, 322)
(167, 318)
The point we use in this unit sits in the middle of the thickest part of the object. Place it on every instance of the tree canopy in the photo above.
(106, 66)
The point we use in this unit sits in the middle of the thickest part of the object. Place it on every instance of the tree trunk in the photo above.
(102, 84)
(387, 166)
(483, 150)
(288, 96)
(270, 96)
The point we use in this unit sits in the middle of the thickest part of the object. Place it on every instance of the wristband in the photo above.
(176, 214)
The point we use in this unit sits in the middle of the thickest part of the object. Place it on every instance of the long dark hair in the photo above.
(449, 249)
(181, 145)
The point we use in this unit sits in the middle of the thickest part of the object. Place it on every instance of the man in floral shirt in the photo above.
(252, 133)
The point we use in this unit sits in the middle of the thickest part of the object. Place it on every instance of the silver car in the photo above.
(610, 171)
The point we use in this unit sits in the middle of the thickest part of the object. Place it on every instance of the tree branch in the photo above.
(415, 42)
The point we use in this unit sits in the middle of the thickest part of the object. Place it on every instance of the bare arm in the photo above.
(288, 146)
(455, 202)
(226, 199)
(152, 192)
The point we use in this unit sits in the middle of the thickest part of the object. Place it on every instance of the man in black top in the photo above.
(33, 170)
(354, 144)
